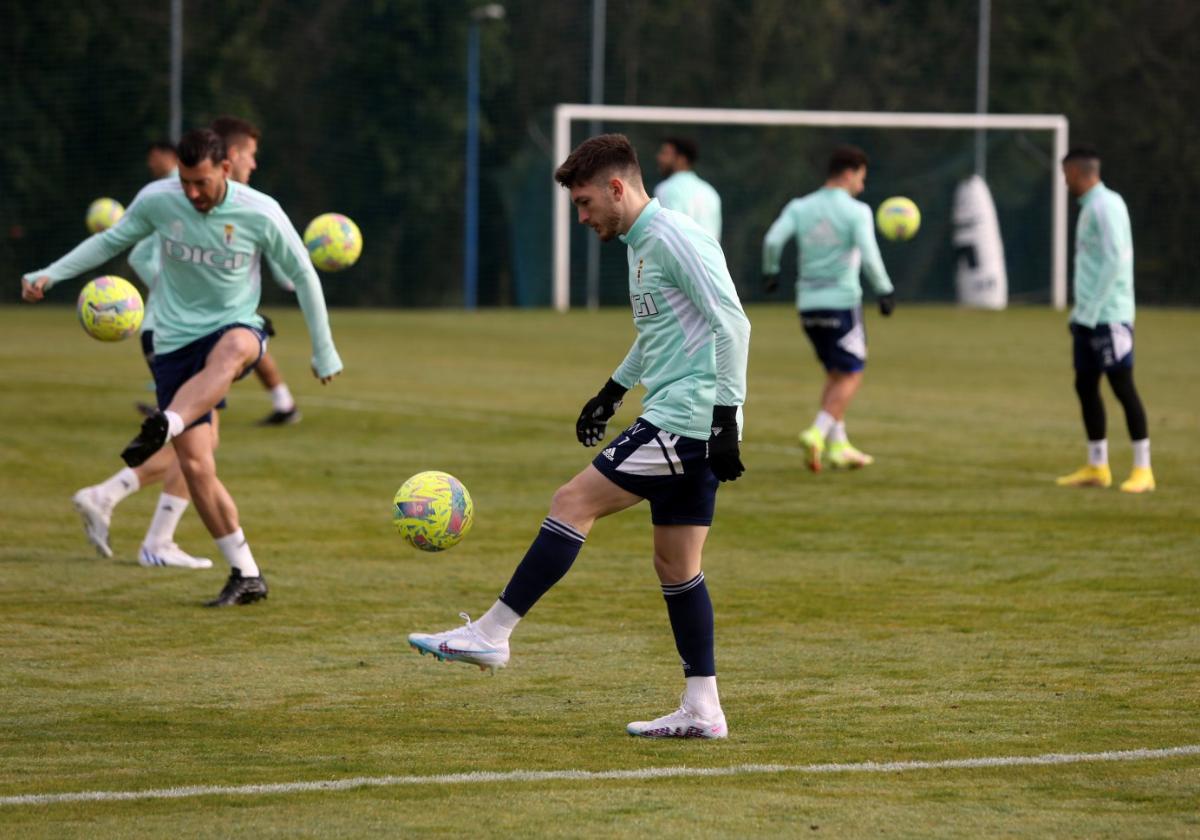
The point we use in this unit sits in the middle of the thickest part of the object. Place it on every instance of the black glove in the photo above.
(589, 428)
(887, 304)
(770, 283)
(723, 455)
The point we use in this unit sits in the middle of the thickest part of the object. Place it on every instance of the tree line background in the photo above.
(362, 106)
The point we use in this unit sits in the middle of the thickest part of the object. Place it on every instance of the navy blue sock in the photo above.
(548, 559)
(691, 614)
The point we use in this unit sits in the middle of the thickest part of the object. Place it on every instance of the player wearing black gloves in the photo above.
(690, 355)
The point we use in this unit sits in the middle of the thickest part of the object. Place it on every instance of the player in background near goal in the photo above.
(241, 140)
(214, 234)
(1102, 323)
(690, 352)
(682, 189)
(836, 237)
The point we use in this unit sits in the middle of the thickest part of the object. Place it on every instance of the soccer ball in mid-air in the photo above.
(898, 218)
(103, 213)
(333, 241)
(433, 511)
(110, 308)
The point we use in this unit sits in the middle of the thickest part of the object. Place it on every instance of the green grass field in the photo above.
(950, 602)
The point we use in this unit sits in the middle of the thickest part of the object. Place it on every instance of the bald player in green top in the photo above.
(690, 353)
(836, 237)
(215, 233)
(1102, 323)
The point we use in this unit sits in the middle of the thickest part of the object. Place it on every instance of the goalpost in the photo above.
(565, 114)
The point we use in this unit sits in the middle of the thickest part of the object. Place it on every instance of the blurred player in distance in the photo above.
(835, 234)
(161, 159)
(241, 139)
(1102, 323)
(214, 233)
(682, 189)
(690, 353)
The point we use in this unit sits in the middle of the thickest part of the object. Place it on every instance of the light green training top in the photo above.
(146, 261)
(1103, 260)
(693, 339)
(691, 195)
(210, 275)
(836, 236)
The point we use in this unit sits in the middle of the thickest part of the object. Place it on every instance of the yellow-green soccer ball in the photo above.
(898, 218)
(103, 213)
(110, 308)
(333, 241)
(433, 511)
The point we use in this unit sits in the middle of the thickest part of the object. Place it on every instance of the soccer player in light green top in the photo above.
(682, 189)
(1102, 323)
(690, 353)
(215, 233)
(836, 237)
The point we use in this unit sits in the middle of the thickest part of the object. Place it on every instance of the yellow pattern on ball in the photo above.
(433, 511)
(333, 241)
(110, 308)
(103, 213)
(898, 218)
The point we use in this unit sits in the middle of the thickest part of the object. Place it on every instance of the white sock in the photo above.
(700, 696)
(838, 434)
(166, 519)
(174, 424)
(281, 398)
(824, 422)
(1098, 453)
(1141, 453)
(118, 486)
(237, 552)
(498, 622)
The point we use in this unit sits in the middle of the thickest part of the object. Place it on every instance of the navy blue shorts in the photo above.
(172, 369)
(148, 349)
(838, 336)
(1103, 348)
(670, 471)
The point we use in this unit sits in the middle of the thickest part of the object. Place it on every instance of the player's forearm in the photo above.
(629, 372)
(732, 349)
(91, 252)
(773, 245)
(325, 359)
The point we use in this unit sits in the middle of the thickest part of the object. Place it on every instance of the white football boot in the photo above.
(96, 517)
(171, 555)
(681, 723)
(462, 644)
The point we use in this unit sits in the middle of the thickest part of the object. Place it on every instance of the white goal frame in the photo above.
(565, 114)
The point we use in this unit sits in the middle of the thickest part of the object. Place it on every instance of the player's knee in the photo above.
(566, 502)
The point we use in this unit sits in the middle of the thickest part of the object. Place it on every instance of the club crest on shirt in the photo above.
(228, 234)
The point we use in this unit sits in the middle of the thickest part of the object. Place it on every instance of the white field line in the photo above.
(492, 777)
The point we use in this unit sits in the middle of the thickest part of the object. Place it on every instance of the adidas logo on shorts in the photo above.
(610, 453)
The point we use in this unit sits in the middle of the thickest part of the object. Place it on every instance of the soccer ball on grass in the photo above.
(110, 308)
(433, 511)
(102, 214)
(333, 241)
(898, 218)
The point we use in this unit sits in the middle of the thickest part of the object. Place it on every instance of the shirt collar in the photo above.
(638, 231)
(1092, 194)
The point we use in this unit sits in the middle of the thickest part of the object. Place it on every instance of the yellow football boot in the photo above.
(814, 443)
(1088, 476)
(845, 456)
(1141, 480)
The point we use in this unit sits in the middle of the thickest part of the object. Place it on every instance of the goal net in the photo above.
(758, 160)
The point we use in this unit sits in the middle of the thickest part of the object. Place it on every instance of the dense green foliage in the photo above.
(363, 108)
(948, 602)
